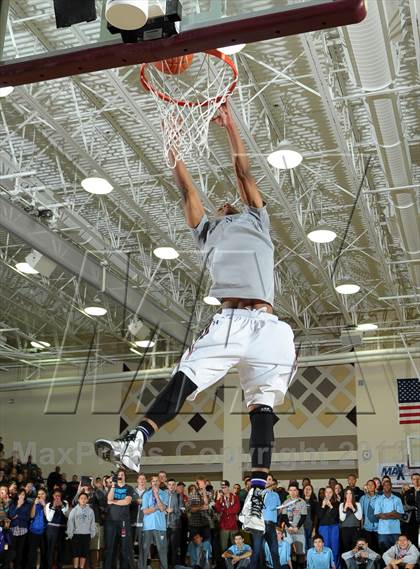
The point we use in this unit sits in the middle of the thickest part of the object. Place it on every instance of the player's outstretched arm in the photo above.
(193, 206)
(248, 189)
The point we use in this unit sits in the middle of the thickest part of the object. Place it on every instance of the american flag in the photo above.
(409, 400)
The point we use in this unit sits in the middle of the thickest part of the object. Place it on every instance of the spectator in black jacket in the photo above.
(19, 513)
(411, 502)
(328, 523)
(352, 480)
(72, 488)
(117, 525)
(56, 513)
(54, 479)
(311, 517)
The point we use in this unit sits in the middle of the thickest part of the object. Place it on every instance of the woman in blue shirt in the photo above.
(319, 556)
(37, 539)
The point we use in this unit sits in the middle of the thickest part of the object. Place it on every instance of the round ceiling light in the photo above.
(322, 234)
(231, 49)
(212, 301)
(5, 91)
(165, 253)
(40, 345)
(26, 268)
(96, 185)
(145, 343)
(367, 327)
(347, 287)
(95, 310)
(285, 157)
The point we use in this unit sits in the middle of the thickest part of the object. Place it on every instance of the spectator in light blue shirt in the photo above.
(284, 551)
(199, 553)
(370, 521)
(388, 509)
(271, 505)
(154, 504)
(319, 556)
(238, 555)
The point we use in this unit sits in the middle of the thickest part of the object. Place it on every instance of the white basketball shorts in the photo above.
(258, 344)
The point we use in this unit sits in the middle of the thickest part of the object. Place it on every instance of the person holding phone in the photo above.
(119, 498)
(37, 532)
(361, 556)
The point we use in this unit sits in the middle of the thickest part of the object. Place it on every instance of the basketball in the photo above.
(174, 65)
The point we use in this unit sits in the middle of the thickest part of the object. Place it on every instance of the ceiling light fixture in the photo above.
(145, 343)
(346, 285)
(96, 185)
(165, 253)
(231, 49)
(26, 268)
(95, 310)
(40, 345)
(212, 301)
(322, 234)
(5, 91)
(367, 327)
(285, 157)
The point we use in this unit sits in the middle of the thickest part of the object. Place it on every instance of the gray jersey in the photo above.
(239, 254)
(295, 511)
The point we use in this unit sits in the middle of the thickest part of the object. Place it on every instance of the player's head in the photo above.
(226, 209)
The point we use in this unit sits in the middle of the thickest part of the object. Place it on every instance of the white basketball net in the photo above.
(207, 84)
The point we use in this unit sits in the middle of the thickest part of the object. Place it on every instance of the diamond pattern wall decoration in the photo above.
(197, 422)
(311, 374)
(297, 389)
(326, 387)
(312, 403)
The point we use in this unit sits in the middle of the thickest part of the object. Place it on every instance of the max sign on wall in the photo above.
(399, 473)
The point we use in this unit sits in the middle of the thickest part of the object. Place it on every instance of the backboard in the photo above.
(32, 49)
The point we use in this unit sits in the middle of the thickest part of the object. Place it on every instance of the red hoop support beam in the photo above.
(254, 28)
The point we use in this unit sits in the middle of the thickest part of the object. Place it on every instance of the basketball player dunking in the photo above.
(239, 255)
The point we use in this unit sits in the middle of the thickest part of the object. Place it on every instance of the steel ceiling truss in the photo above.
(56, 133)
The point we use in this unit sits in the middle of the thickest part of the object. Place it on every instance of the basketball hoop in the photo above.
(188, 101)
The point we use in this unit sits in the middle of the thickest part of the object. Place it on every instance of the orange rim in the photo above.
(165, 97)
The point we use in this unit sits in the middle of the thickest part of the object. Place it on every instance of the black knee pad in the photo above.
(262, 436)
(169, 402)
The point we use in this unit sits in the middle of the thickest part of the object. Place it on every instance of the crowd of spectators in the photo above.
(107, 522)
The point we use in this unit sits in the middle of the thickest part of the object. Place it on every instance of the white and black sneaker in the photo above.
(125, 451)
(251, 516)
